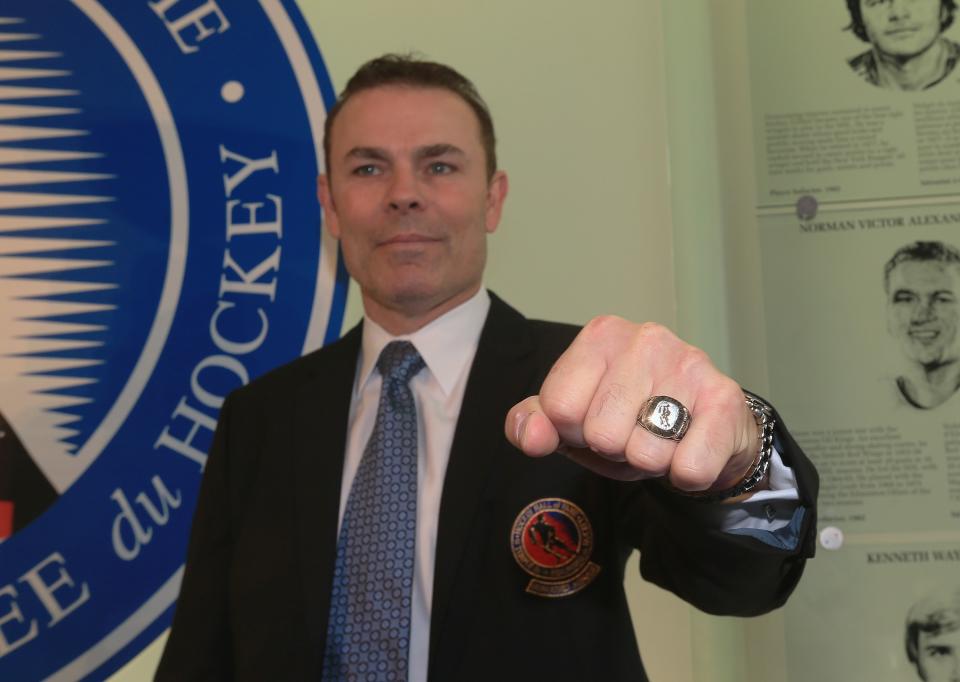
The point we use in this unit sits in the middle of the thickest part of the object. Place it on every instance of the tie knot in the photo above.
(399, 360)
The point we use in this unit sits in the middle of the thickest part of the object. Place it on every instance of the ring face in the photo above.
(665, 417)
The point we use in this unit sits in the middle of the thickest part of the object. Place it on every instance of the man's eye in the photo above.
(935, 651)
(944, 297)
(368, 169)
(439, 168)
(904, 298)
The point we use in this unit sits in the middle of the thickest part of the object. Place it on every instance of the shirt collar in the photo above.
(446, 345)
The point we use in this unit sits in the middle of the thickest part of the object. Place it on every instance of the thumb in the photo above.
(529, 429)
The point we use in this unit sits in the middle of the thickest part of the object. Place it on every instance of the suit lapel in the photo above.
(319, 438)
(499, 374)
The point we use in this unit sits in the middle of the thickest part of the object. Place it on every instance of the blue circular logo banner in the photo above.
(160, 245)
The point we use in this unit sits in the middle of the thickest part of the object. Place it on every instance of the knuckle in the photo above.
(561, 408)
(650, 461)
(603, 324)
(602, 440)
(694, 361)
(729, 390)
(650, 329)
(650, 339)
(725, 397)
(613, 399)
(652, 333)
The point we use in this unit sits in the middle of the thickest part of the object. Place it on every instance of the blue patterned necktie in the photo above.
(368, 634)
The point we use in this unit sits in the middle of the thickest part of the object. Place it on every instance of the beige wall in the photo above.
(579, 97)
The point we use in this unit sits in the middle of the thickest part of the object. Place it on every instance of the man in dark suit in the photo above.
(515, 556)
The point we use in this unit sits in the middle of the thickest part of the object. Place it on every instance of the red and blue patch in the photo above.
(552, 540)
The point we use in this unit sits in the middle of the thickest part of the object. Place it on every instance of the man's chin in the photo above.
(905, 52)
(415, 299)
(933, 359)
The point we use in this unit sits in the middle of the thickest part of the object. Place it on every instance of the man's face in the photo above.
(901, 28)
(922, 310)
(408, 197)
(937, 656)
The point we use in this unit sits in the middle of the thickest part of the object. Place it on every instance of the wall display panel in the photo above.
(858, 213)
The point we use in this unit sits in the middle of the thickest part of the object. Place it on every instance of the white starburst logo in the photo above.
(50, 263)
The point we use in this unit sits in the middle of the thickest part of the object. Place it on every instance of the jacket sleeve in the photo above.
(198, 647)
(720, 572)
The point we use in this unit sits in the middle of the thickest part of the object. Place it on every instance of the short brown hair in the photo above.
(934, 615)
(936, 252)
(397, 69)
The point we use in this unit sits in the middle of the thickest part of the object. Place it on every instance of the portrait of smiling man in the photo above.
(908, 50)
(922, 282)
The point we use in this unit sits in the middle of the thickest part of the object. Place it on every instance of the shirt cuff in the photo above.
(773, 516)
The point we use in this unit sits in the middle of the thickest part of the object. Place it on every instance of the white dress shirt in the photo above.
(447, 346)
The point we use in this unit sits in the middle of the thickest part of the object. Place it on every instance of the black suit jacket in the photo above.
(255, 594)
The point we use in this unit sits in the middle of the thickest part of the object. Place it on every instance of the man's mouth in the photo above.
(905, 32)
(411, 238)
(924, 335)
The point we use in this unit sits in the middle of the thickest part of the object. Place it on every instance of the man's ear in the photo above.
(326, 202)
(496, 194)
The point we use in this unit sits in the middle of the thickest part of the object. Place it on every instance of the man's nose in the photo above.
(404, 191)
(923, 312)
(899, 8)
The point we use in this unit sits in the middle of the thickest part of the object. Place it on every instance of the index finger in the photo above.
(570, 386)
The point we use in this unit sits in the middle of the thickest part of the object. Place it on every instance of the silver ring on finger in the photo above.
(665, 417)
